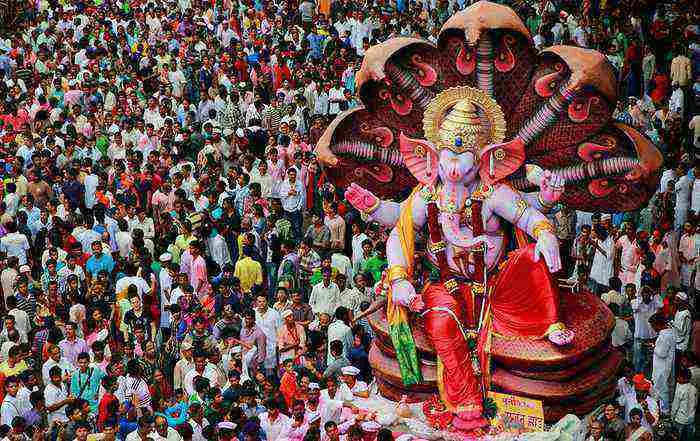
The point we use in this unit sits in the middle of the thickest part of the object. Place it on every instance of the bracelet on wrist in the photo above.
(372, 208)
(396, 272)
(541, 227)
(544, 204)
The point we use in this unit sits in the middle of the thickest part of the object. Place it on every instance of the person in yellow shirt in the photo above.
(248, 271)
(13, 366)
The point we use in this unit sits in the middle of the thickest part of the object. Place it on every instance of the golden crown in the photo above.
(463, 119)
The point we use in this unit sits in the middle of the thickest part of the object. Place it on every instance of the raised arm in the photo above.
(373, 208)
(551, 188)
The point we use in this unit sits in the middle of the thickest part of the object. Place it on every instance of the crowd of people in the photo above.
(175, 265)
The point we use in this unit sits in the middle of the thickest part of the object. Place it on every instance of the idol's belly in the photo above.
(461, 261)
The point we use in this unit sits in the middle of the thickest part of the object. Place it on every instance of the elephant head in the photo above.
(463, 130)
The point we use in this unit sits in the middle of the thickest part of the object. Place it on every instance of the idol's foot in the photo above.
(470, 421)
(561, 338)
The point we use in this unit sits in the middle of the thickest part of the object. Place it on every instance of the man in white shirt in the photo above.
(642, 400)
(166, 432)
(358, 388)
(603, 246)
(292, 195)
(621, 334)
(685, 401)
(683, 188)
(202, 368)
(145, 430)
(56, 397)
(269, 321)
(676, 102)
(10, 404)
(273, 422)
(663, 361)
(197, 421)
(142, 287)
(14, 243)
(91, 182)
(325, 295)
(688, 250)
(55, 359)
(682, 322)
(643, 308)
(339, 330)
(335, 98)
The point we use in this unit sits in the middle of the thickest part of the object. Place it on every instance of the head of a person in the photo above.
(145, 425)
(200, 360)
(12, 385)
(261, 301)
(326, 275)
(83, 361)
(636, 417)
(55, 353)
(249, 318)
(658, 322)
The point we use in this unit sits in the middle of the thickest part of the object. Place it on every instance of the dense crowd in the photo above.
(175, 265)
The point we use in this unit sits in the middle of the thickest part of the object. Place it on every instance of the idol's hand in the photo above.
(548, 248)
(551, 187)
(360, 198)
(404, 294)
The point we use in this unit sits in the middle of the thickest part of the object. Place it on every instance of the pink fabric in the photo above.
(197, 274)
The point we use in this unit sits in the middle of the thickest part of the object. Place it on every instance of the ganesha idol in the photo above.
(483, 136)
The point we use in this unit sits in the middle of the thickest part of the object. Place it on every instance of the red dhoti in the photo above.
(460, 388)
(525, 300)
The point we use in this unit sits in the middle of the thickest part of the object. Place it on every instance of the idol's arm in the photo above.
(534, 199)
(386, 213)
(403, 292)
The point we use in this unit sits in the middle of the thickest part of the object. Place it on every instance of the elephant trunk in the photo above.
(452, 232)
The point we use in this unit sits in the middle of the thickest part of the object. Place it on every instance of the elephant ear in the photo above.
(499, 161)
(420, 157)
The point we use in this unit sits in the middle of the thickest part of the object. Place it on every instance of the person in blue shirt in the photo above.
(315, 44)
(85, 382)
(99, 260)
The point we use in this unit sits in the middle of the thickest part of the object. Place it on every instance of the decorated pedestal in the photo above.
(570, 379)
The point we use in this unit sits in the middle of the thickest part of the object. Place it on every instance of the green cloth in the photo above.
(406, 353)
(375, 265)
(533, 23)
(102, 142)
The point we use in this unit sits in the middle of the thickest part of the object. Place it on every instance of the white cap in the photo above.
(371, 426)
(682, 296)
(226, 425)
(25, 269)
(287, 313)
(314, 386)
(228, 132)
(606, 217)
(236, 349)
(350, 370)
(165, 257)
(240, 133)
